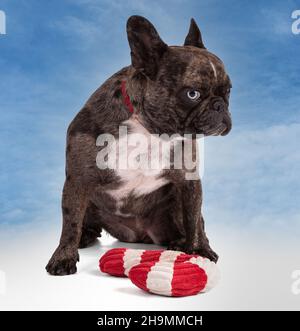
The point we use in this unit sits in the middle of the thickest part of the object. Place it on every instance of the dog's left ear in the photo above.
(146, 45)
(194, 37)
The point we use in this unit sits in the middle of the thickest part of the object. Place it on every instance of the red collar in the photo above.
(126, 97)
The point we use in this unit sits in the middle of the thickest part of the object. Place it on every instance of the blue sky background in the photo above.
(56, 53)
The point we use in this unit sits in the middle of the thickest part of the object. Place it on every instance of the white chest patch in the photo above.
(141, 158)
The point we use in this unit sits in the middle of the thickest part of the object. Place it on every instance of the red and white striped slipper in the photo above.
(119, 261)
(211, 270)
(175, 278)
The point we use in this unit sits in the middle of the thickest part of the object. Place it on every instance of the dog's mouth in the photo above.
(228, 124)
(222, 128)
(208, 122)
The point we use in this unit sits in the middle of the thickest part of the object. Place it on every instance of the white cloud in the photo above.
(85, 32)
(98, 23)
(277, 18)
(252, 177)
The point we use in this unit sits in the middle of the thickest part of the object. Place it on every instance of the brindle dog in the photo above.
(174, 89)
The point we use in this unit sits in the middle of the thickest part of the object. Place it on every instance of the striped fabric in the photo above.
(163, 272)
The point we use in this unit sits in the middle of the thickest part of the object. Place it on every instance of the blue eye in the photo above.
(193, 95)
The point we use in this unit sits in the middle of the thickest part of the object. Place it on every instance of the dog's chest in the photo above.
(140, 161)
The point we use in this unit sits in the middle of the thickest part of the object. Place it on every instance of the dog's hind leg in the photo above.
(91, 228)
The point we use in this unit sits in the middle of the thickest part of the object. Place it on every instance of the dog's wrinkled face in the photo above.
(186, 88)
(197, 87)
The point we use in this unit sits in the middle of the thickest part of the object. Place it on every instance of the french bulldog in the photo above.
(166, 90)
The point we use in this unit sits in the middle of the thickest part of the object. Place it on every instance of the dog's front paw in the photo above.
(177, 245)
(204, 251)
(60, 264)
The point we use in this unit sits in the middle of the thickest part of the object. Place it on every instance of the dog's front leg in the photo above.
(196, 240)
(74, 204)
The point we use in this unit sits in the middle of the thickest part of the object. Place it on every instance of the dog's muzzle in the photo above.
(228, 123)
(217, 104)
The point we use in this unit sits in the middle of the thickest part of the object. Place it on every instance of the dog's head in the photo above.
(183, 89)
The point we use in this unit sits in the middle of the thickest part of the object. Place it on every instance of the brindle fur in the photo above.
(155, 81)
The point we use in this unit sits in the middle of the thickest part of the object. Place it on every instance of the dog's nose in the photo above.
(218, 105)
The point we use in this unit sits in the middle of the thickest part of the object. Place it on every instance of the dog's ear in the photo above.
(145, 44)
(194, 37)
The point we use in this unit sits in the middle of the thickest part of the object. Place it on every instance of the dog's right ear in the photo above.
(145, 44)
(194, 37)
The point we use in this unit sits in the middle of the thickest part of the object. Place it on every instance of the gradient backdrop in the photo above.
(56, 53)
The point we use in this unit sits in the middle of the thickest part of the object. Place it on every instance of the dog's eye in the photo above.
(193, 95)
